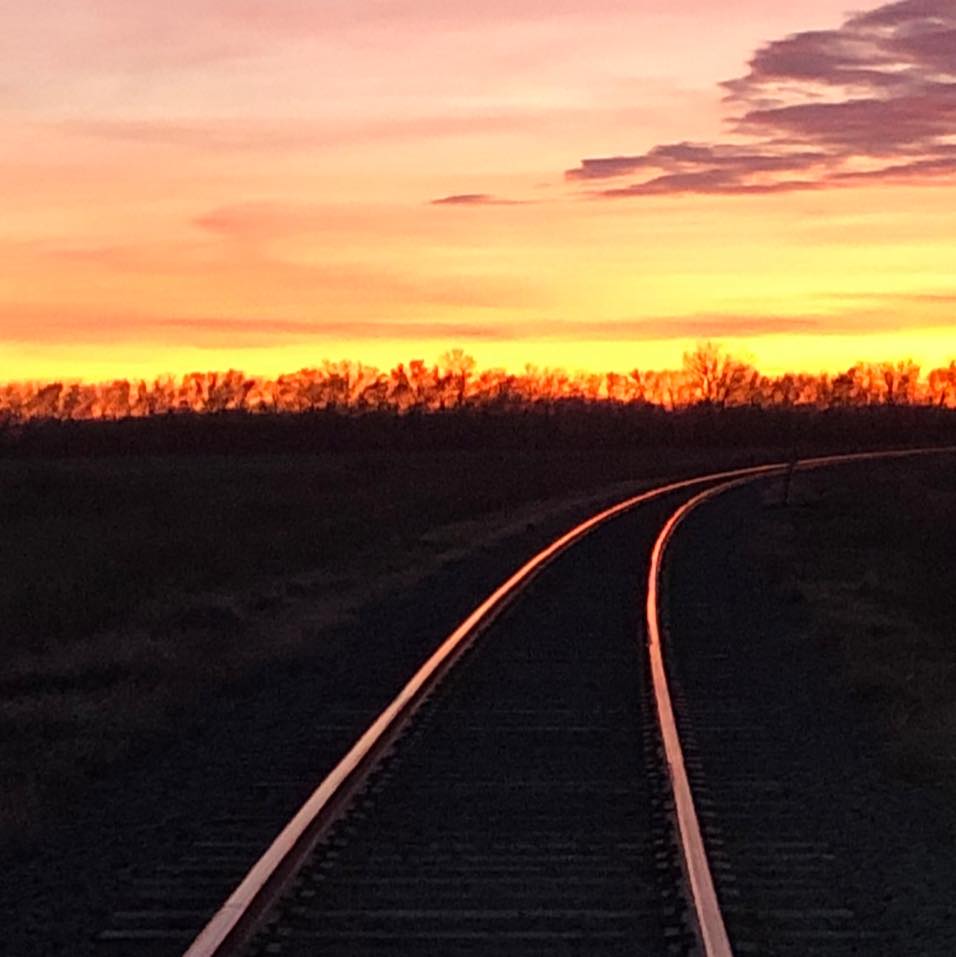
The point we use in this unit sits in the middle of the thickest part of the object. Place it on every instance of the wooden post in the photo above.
(788, 477)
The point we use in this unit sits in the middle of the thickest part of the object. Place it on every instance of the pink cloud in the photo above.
(353, 283)
(259, 220)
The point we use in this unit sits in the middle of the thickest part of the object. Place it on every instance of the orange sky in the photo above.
(253, 183)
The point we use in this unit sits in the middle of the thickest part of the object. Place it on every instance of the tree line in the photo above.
(709, 376)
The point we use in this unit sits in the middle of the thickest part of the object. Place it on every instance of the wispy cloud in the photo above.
(243, 332)
(334, 224)
(259, 219)
(249, 135)
(898, 298)
(871, 101)
(36, 326)
(476, 199)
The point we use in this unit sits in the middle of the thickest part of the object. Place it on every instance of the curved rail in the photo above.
(234, 922)
(229, 927)
(709, 920)
(711, 930)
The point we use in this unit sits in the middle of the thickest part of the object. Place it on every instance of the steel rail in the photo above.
(709, 921)
(233, 924)
(230, 927)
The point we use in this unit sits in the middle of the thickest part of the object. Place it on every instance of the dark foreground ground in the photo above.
(178, 625)
(252, 598)
(520, 812)
(815, 649)
(133, 589)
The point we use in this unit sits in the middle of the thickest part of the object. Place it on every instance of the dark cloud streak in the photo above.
(873, 100)
(475, 199)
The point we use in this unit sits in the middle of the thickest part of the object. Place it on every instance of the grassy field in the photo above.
(84, 543)
(131, 589)
(869, 558)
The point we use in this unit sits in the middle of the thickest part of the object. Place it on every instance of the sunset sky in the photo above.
(199, 184)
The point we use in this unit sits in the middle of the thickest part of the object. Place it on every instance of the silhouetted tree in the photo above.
(942, 386)
(718, 379)
(709, 377)
(460, 367)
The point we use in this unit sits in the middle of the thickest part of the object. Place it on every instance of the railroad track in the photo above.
(526, 793)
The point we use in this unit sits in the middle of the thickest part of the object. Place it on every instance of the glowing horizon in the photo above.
(221, 185)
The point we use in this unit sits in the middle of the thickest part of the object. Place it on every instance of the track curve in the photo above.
(231, 926)
(329, 827)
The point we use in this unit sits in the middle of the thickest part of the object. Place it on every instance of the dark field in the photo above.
(869, 558)
(814, 646)
(133, 588)
(85, 542)
(171, 618)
